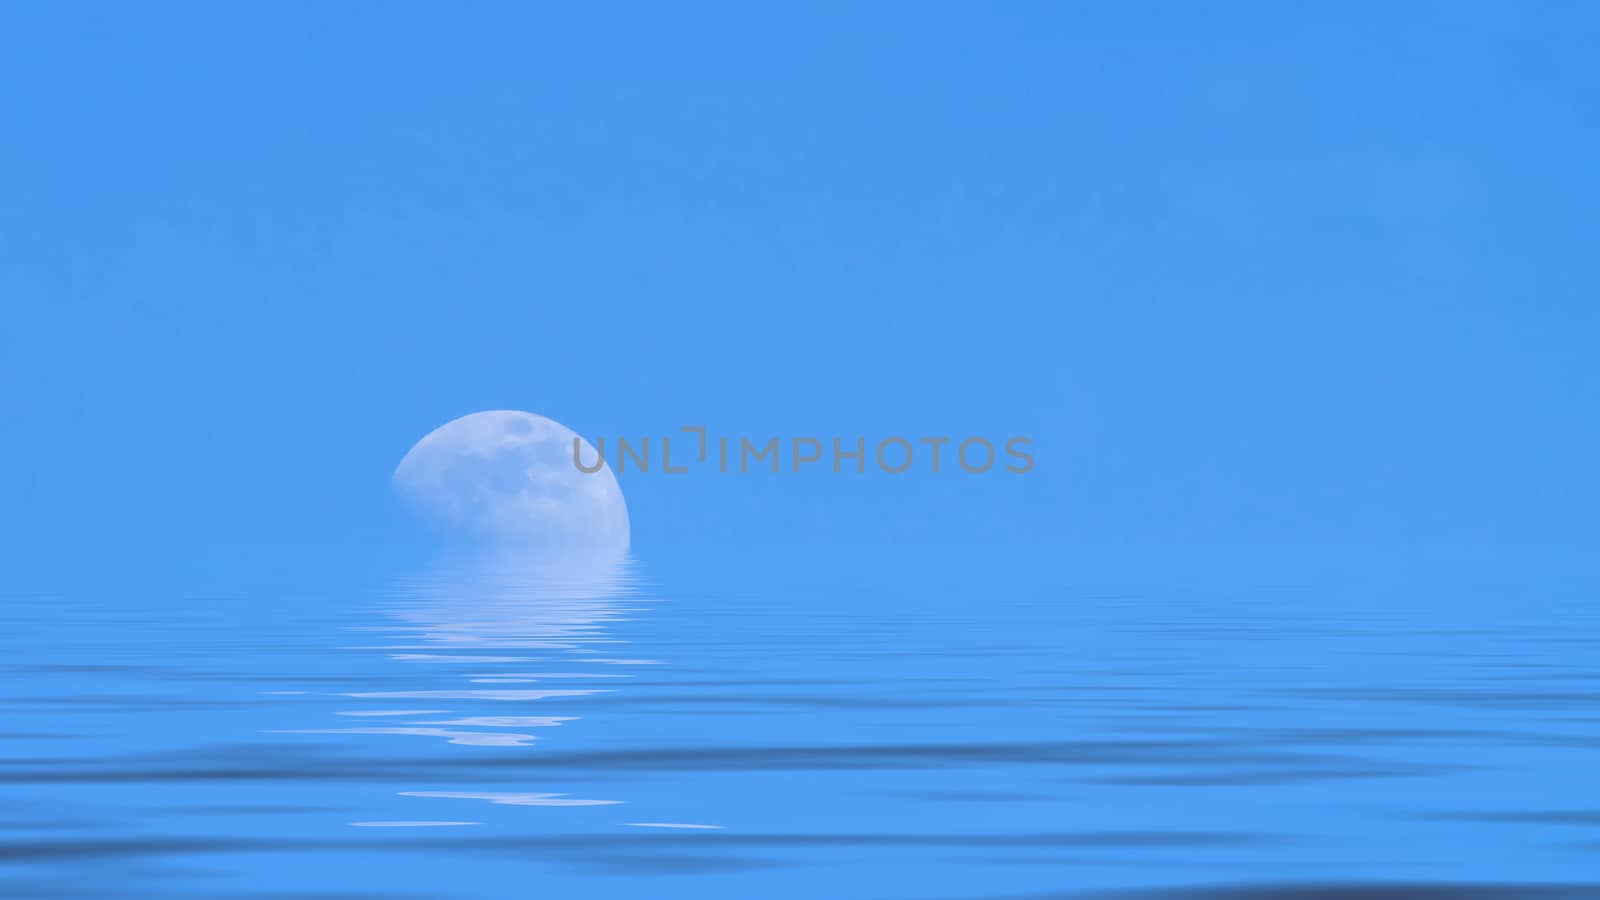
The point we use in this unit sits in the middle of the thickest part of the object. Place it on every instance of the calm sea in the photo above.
(494, 730)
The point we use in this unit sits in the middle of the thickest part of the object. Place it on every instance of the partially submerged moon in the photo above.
(508, 478)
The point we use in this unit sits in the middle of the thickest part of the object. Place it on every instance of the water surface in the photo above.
(495, 731)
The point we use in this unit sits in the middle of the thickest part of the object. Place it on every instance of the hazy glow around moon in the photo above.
(507, 477)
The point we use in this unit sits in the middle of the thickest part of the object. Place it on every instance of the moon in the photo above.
(507, 479)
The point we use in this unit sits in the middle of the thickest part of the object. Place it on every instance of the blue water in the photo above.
(491, 730)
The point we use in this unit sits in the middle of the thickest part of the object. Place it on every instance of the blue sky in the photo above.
(1261, 281)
